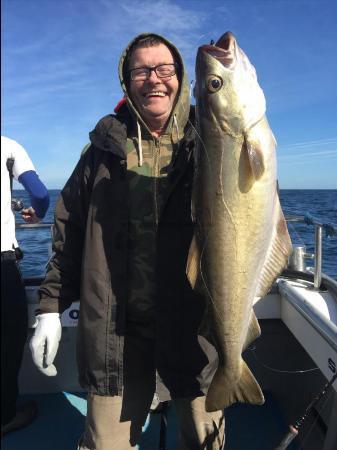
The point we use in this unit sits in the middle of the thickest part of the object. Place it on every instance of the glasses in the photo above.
(144, 73)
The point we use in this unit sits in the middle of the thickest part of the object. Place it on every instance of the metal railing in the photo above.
(34, 225)
(33, 279)
(297, 259)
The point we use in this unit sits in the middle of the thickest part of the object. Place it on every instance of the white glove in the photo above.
(45, 342)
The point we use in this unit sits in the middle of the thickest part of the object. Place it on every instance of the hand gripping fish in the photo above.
(241, 242)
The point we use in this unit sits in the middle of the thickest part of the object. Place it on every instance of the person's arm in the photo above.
(62, 283)
(38, 195)
(23, 170)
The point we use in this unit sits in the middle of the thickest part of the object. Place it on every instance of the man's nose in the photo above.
(153, 76)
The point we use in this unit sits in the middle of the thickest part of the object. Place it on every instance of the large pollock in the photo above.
(241, 243)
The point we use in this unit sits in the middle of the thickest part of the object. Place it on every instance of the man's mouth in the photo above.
(154, 94)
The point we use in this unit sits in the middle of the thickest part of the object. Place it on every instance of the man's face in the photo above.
(154, 97)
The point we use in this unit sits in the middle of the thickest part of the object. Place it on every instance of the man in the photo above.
(15, 163)
(123, 230)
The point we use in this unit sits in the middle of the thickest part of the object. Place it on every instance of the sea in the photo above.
(320, 204)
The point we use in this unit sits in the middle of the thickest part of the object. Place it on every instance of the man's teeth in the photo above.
(155, 94)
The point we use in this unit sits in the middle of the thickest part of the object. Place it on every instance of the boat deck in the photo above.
(62, 415)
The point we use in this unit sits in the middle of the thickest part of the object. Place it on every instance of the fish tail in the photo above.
(223, 393)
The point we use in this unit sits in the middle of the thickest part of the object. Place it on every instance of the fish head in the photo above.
(227, 91)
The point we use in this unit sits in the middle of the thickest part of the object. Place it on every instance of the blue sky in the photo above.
(59, 72)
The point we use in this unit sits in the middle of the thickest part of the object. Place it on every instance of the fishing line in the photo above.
(202, 143)
(206, 237)
(203, 278)
(273, 369)
(197, 134)
(297, 235)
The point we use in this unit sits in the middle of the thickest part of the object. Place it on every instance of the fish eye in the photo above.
(214, 83)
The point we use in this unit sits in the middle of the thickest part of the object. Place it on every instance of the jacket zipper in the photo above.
(156, 177)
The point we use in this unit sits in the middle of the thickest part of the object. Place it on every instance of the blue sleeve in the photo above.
(37, 191)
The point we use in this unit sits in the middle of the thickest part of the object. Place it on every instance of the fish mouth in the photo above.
(226, 41)
(224, 50)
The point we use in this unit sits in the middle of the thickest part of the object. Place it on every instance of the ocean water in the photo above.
(322, 204)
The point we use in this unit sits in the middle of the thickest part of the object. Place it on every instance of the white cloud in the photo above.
(307, 150)
(180, 22)
(163, 15)
(308, 155)
(312, 143)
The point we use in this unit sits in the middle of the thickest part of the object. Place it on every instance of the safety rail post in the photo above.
(297, 258)
(318, 256)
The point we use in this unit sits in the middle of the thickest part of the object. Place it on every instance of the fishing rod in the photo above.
(293, 429)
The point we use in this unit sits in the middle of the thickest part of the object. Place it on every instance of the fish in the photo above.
(241, 241)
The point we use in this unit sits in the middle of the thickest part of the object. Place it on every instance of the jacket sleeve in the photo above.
(61, 285)
(37, 191)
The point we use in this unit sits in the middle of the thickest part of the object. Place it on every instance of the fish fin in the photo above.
(277, 255)
(223, 393)
(255, 157)
(254, 331)
(193, 261)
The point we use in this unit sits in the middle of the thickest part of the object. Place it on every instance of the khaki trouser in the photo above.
(110, 427)
(115, 423)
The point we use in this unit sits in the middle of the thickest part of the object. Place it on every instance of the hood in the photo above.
(180, 112)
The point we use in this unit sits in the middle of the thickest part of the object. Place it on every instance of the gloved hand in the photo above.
(45, 342)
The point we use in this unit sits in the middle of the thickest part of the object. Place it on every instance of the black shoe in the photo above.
(25, 414)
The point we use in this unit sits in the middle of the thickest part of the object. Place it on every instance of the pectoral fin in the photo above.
(255, 157)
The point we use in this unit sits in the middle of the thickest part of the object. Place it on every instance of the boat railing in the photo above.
(299, 255)
(49, 225)
(35, 280)
(297, 259)
(34, 225)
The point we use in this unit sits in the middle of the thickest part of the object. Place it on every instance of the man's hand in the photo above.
(29, 215)
(45, 341)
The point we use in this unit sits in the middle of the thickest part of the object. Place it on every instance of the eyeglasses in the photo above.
(144, 73)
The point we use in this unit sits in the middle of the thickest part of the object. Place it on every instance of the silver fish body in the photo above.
(241, 242)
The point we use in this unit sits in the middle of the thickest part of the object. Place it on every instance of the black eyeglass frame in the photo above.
(150, 69)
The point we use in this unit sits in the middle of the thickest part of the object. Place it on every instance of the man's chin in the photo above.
(156, 113)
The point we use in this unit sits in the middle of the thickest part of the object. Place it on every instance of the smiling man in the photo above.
(153, 84)
(123, 230)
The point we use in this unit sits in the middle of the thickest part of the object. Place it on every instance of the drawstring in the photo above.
(176, 125)
(191, 89)
(140, 148)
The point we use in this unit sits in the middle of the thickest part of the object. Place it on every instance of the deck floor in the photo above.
(61, 420)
